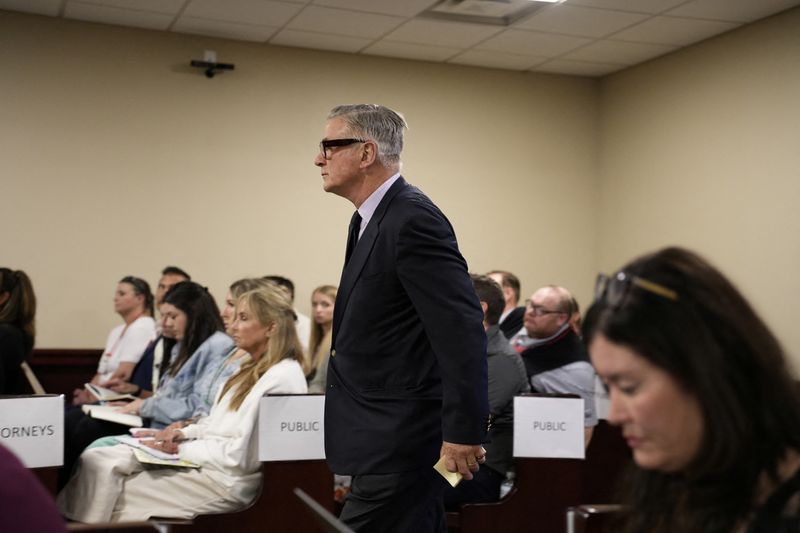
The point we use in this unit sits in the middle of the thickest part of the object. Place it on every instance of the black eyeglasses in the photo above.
(325, 145)
(612, 289)
(538, 310)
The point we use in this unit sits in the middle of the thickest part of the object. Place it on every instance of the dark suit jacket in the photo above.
(408, 355)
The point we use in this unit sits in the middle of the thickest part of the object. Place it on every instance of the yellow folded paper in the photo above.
(454, 478)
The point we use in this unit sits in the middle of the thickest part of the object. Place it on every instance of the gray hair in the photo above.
(377, 123)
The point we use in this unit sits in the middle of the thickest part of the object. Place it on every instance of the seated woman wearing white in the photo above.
(126, 343)
(112, 486)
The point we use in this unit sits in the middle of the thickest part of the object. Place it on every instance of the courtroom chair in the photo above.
(592, 518)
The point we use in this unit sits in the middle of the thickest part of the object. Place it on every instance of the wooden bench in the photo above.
(62, 371)
(276, 509)
(545, 488)
(607, 458)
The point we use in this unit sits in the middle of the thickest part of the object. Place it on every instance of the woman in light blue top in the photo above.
(191, 314)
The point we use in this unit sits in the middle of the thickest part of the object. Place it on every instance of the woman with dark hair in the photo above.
(193, 317)
(319, 345)
(17, 329)
(133, 301)
(111, 484)
(701, 389)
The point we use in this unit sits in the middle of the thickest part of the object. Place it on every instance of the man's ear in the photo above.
(485, 308)
(369, 153)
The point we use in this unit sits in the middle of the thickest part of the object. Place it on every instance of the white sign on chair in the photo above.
(548, 427)
(291, 428)
(33, 428)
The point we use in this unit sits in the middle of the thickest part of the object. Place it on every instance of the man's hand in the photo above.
(463, 458)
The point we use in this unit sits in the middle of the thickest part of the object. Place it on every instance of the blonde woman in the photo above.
(112, 485)
(319, 346)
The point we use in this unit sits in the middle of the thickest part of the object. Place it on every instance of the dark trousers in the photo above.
(484, 487)
(396, 503)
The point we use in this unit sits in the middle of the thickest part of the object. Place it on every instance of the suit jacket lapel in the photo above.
(352, 270)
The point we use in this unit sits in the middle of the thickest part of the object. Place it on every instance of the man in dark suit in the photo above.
(407, 374)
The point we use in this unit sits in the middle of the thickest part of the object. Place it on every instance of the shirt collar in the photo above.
(369, 206)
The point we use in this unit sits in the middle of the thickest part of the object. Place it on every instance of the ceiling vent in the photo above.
(497, 12)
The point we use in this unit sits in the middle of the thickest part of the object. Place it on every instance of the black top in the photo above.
(513, 322)
(780, 513)
(564, 349)
(14, 348)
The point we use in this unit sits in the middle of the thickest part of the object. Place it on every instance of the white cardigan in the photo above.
(223, 443)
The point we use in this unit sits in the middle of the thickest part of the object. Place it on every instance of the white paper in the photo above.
(548, 427)
(33, 428)
(291, 428)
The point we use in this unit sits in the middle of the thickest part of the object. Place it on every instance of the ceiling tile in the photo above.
(532, 43)
(577, 68)
(485, 58)
(342, 22)
(259, 12)
(115, 15)
(320, 41)
(223, 29)
(171, 7)
(634, 6)
(411, 51)
(400, 8)
(732, 10)
(673, 30)
(441, 33)
(623, 53)
(581, 21)
(39, 7)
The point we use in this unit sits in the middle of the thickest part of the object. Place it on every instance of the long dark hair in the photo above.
(20, 308)
(712, 342)
(202, 318)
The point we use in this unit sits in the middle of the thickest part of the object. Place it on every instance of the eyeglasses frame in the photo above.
(604, 282)
(325, 144)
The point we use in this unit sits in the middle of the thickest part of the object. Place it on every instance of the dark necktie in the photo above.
(352, 236)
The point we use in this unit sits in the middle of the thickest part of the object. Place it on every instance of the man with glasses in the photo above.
(555, 357)
(407, 373)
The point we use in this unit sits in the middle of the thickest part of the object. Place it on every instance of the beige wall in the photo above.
(118, 159)
(702, 149)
